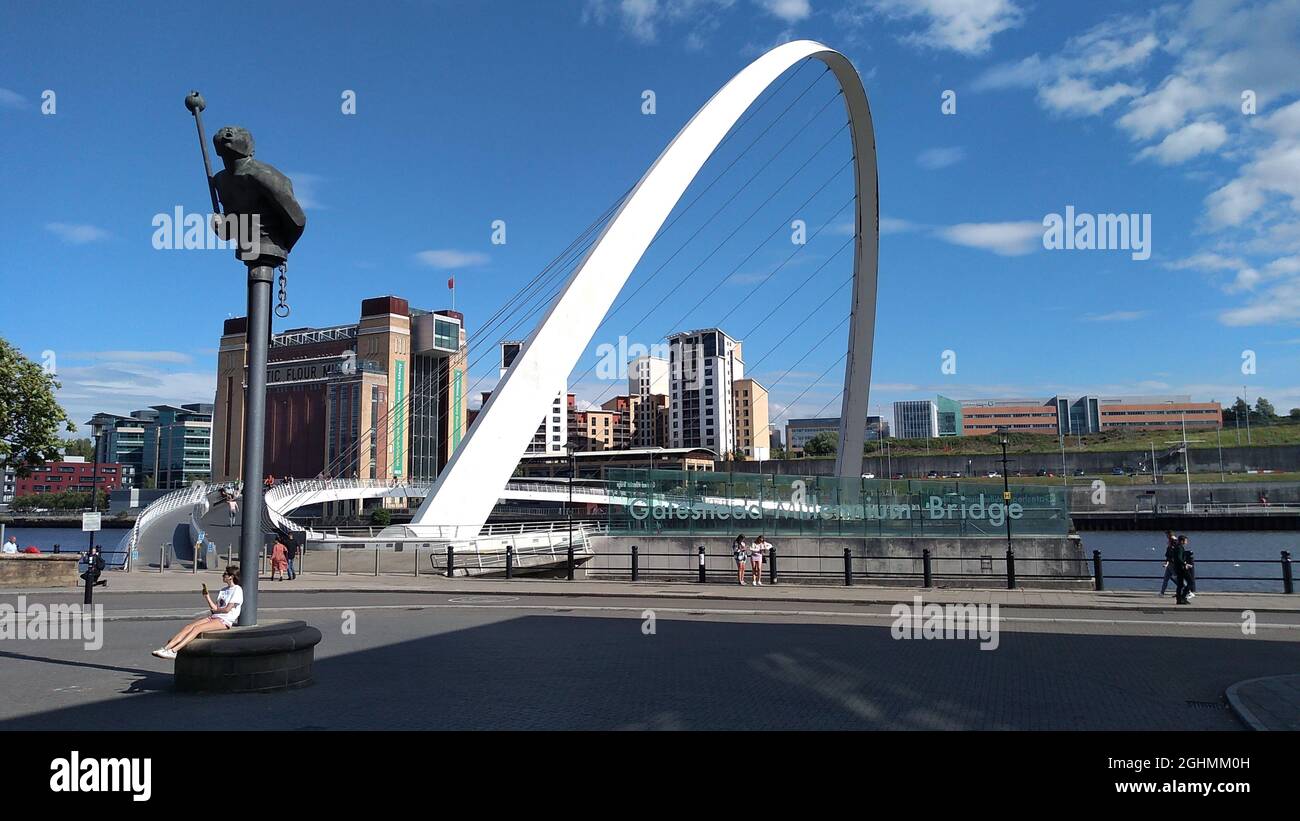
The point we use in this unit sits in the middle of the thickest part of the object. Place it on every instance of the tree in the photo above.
(79, 447)
(1295, 414)
(1265, 409)
(1238, 413)
(381, 517)
(30, 417)
(823, 444)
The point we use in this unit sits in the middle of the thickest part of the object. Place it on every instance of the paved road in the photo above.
(443, 661)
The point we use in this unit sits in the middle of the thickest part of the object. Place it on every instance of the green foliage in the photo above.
(381, 517)
(30, 417)
(1295, 414)
(64, 500)
(79, 447)
(823, 444)
(1264, 408)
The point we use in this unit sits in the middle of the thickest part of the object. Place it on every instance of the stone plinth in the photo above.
(38, 570)
(273, 655)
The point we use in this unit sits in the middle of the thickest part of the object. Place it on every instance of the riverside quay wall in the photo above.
(1041, 561)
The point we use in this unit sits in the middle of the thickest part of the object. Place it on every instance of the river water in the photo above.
(1235, 555)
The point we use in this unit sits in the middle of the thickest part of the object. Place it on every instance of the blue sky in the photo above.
(531, 113)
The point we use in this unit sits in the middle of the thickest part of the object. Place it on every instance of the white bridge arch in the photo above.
(469, 486)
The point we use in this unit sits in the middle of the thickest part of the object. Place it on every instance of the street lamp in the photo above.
(1006, 488)
(572, 450)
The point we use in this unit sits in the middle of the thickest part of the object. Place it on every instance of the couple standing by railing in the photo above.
(751, 554)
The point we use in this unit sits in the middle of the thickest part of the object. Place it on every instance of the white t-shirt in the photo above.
(11, 547)
(233, 594)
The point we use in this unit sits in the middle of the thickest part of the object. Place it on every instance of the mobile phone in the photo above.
(205, 588)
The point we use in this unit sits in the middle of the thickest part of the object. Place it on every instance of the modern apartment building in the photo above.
(624, 422)
(753, 440)
(383, 397)
(647, 383)
(702, 365)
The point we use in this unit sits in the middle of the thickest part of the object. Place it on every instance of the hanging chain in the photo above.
(282, 308)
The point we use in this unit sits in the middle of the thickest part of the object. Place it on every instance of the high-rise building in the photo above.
(749, 399)
(647, 384)
(916, 419)
(380, 398)
(553, 432)
(702, 364)
(121, 440)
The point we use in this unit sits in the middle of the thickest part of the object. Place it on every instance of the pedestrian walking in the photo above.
(1176, 555)
(740, 551)
(279, 560)
(1170, 541)
(292, 554)
(232, 507)
(757, 550)
(1189, 568)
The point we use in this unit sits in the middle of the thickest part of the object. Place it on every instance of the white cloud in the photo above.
(12, 99)
(936, 158)
(1206, 262)
(893, 225)
(1075, 97)
(173, 357)
(643, 19)
(1278, 304)
(1006, 238)
(76, 234)
(1165, 108)
(791, 11)
(451, 258)
(965, 26)
(305, 188)
(1117, 316)
(1187, 142)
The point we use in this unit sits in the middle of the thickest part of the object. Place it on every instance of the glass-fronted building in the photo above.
(178, 446)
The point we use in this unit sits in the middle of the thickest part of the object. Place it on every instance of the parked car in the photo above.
(1041, 472)
(1117, 471)
(868, 476)
(1079, 472)
(934, 474)
(993, 474)
(899, 476)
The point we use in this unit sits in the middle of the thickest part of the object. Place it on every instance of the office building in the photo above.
(984, 416)
(916, 419)
(177, 448)
(948, 416)
(1073, 416)
(799, 431)
(380, 398)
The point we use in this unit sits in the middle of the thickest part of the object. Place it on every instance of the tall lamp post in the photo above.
(94, 487)
(252, 205)
(573, 462)
(1006, 488)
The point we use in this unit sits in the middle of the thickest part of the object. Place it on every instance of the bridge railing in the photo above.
(176, 500)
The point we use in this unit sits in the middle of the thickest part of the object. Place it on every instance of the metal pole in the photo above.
(848, 565)
(701, 552)
(1098, 581)
(1218, 439)
(451, 560)
(636, 570)
(1011, 569)
(1288, 583)
(926, 569)
(162, 555)
(251, 539)
(771, 566)
(376, 560)
(338, 558)
(510, 562)
(94, 495)
(417, 563)
(1243, 398)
